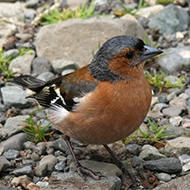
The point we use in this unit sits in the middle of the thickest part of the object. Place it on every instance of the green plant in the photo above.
(159, 81)
(54, 16)
(34, 129)
(165, 2)
(155, 133)
(7, 73)
(131, 11)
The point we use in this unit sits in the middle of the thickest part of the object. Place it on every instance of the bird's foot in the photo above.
(83, 172)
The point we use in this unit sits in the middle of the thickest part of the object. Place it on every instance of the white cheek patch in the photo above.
(57, 113)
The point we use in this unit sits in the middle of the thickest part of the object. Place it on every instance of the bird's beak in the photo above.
(149, 53)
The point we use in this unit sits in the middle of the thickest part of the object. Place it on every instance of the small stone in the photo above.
(172, 111)
(12, 53)
(154, 114)
(29, 145)
(31, 3)
(60, 65)
(42, 183)
(12, 127)
(186, 167)
(171, 96)
(137, 161)
(24, 36)
(40, 65)
(15, 181)
(18, 65)
(15, 142)
(32, 186)
(11, 154)
(154, 100)
(23, 170)
(4, 163)
(175, 120)
(179, 102)
(164, 177)
(60, 166)
(14, 96)
(46, 76)
(179, 35)
(150, 153)
(133, 148)
(48, 161)
(160, 106)
(168, 165)
(60, 144)
(35, 157)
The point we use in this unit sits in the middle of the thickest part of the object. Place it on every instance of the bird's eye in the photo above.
(129, 54)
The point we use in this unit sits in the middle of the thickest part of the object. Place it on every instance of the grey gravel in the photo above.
(164, 177)
(11, 154)
(23, 170)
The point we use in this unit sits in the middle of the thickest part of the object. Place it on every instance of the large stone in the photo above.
(77, 39)
(170, 20)
(72, 181)
(11, 126)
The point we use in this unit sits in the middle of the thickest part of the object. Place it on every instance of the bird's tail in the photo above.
(46, 93)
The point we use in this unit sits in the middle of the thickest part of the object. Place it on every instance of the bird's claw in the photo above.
(83, 172)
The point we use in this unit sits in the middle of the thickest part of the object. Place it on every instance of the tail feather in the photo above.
(45, 92)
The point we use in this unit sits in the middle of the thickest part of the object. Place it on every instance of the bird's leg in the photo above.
(120, 164)
(82, 171)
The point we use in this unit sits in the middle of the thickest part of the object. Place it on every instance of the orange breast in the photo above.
(110, 113)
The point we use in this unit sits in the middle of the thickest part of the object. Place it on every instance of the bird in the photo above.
(102, 102)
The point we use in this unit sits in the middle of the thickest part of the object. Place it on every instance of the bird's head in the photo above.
(119, 57)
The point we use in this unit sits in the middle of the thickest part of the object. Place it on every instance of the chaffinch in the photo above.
(102, 102)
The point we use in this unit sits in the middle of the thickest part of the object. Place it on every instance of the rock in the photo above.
(154, 114)
(106, 169)
(149, 11)
(48, 162)
(133, 148)
(35, 157)
(24, 37)
(11, 154)
(14, 96)
(184, 158)
(42, 183)
(175, 121)
(178, 59)
(90, 33)
(24, 170)
(22, 64)
(177, 184)
(46, 76)
(31, 3)
(164, 177)
(71, 180)
(179, 102)
(150, 153)
(11, 53)
(186, 167)
(60, 166)
(168, 165)
(29, 15)
(60, 65)
(170, 20)
(172, 111)
(60, 144)
(137, 161)
(15, 142)
(9, 13)
(178, 146)
(40, 65)
(11, 126)
(160, 106)
(4, 163)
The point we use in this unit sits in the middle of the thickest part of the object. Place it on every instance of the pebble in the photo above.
(137, 161)
(23, 170)
(61, 145)
(12, 53)
(18, 65)
(4, 163)
(164, 177)
(133, 149)
(15, 142)
(175, 121)
(31, 3)
(172, 111)
(186, 167)
(150, 153)
(11, 154)
(40, 65)
(14, 96)
(184, 158)
(42, 183)
(160, 106)
(166, 165)
(46, 76)
(11, 125)
(35, 157)
(60, 166)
